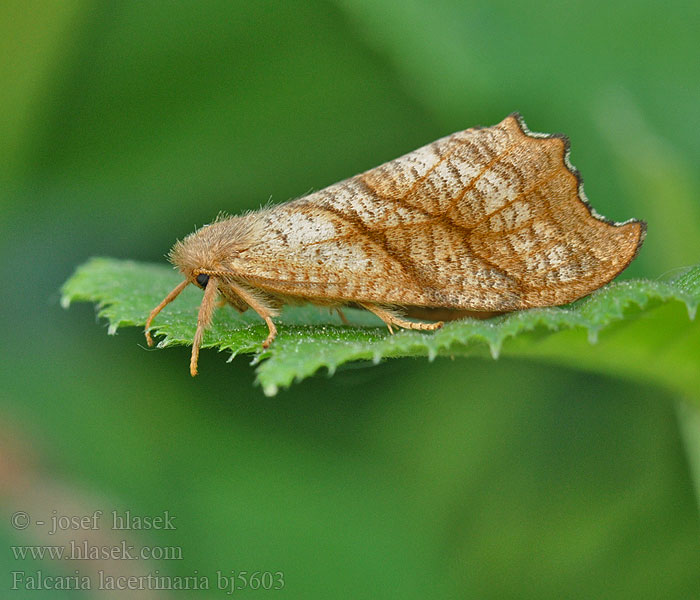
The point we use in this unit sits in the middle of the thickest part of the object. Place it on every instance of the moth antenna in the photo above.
(206, 311)
(167, 300)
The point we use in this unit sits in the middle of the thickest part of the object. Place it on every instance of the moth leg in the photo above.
(259, 307)
(342, 316)
(232, 298)
(154, 313)
(206, 312)
(271, 326)
(392, 318)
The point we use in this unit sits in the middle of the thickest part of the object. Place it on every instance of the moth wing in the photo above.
(343, 243)
(311, 251)
(521, 210)
(484, 219)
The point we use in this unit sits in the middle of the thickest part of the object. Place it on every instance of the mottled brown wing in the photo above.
(489, 219)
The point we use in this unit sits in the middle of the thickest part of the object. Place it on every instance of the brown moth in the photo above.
(481, 222)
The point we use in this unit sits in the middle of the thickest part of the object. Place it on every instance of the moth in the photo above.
(481, 222)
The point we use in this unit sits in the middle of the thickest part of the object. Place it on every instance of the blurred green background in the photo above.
(124, 125)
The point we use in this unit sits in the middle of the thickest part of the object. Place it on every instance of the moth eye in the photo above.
(203, 279)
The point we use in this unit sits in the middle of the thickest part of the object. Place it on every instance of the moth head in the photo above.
(211, 248)
(203, 257)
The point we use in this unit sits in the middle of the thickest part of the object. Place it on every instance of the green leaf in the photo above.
(639, 328)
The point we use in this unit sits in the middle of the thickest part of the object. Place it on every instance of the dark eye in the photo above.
(203, 279)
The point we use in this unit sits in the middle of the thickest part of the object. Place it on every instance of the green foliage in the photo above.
(636, 328)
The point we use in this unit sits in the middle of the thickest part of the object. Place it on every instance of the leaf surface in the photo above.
(636, 328)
